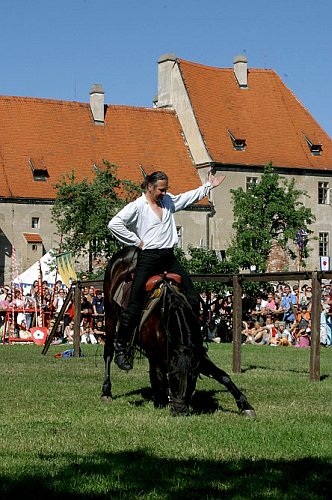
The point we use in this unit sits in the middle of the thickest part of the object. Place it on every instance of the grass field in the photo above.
(58, 440)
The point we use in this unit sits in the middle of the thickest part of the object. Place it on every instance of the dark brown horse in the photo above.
(169, 335)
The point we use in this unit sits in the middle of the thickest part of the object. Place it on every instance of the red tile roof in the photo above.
(266, 114)
(33, 237)
(60, 136)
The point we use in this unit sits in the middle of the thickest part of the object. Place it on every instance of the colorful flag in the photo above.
(302, 236)
(325, 263)
(66, 269)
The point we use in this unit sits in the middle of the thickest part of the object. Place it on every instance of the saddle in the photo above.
(155, 280)
(152, 287)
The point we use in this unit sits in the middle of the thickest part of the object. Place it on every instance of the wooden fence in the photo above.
(235, 282)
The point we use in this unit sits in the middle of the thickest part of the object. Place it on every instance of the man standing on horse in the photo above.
(148, 224)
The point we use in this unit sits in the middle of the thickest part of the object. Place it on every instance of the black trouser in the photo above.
(150, 263)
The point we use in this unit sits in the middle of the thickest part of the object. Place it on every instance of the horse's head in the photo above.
(184, 348)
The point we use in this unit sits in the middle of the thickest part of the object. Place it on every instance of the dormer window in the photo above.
(39, 171)
(315, 149)
(238, 144)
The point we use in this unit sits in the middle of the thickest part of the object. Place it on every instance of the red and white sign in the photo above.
(39, 335)
(325, 263)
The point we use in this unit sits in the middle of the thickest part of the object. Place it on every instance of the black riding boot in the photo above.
(122, 356)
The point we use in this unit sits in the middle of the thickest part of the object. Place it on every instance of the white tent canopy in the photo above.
(47, 262)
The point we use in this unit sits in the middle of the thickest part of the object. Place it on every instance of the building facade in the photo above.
(234, 120)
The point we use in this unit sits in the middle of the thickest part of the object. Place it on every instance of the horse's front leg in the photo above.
(107, 385)
(208, 368)
(159, 384)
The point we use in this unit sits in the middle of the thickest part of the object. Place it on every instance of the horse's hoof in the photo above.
(249, 413)
(106, 399)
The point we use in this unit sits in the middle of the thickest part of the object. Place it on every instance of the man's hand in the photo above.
(215, 181)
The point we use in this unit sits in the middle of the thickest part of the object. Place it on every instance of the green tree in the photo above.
(204, 261)
(268, 211)
(82, 210)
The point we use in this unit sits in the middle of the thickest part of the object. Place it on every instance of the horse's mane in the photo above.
(179, 310)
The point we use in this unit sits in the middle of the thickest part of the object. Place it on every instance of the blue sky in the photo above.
(58, 48)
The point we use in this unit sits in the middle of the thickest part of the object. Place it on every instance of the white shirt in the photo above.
(137, 221)
(285, 333)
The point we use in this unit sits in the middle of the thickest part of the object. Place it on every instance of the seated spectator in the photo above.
(99, 332)
(23, 332)
(58, 335)
(302, 319)
(245, 333)
(68, 333)
(251, 328)
(87, 335)
(303, 338)
(283, 336)
(265, 333)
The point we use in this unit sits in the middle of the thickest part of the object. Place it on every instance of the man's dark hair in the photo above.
(154, 178)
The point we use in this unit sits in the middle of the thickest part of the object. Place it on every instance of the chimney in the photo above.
(165, 66)
(97, 103)
(241, 71)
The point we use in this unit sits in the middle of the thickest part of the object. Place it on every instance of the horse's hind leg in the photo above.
(208, 368)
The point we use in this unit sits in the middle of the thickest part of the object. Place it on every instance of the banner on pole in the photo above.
(325, 263)
(66, 269)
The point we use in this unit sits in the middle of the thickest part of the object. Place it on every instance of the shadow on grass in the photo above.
(271, 369)
(142, 475)
(203, 402)
(280, 369)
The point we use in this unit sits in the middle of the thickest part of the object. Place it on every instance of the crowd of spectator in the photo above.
(40, 306)
(280, 316)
